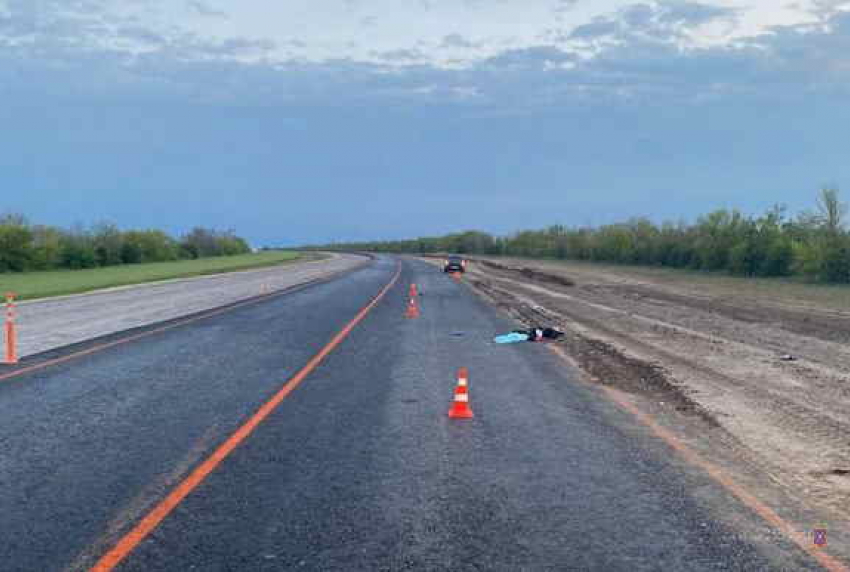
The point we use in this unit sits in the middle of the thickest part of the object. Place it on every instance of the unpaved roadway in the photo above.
(358, 467)
(52, 323)
(710, 354)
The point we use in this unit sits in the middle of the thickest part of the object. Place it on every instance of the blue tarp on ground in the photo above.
(511, 338)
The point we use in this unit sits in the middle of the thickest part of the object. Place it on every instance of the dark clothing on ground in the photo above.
(540, 334)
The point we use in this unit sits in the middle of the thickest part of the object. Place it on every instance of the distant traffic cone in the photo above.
(456, 276)
(413, 291)
(412, 309)
(460, 407)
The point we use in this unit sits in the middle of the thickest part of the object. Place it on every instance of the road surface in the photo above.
(358, 468)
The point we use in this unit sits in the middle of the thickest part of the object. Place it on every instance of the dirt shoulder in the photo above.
(707, 354)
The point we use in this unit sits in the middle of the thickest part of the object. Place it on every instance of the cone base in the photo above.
(467, 414)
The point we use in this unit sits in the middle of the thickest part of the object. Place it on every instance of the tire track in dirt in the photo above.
(808, 448)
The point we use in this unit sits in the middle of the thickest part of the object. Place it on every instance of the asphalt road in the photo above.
(359, 468)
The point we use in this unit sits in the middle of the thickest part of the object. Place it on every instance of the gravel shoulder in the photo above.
(52, 323)
(706, 355)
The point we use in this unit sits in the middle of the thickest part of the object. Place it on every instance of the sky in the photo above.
(344, 120)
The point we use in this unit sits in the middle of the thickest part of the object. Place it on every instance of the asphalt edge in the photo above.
(55, 356)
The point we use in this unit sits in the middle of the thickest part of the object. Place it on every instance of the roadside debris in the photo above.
(511, 338)
(788, 357)
(536, 334)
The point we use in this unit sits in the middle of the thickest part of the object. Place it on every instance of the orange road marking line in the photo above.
(204, 316)
(749, 500)
(149, 523)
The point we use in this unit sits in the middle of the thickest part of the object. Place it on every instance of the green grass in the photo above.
(30, 285)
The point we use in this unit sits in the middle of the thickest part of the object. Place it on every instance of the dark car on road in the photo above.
(455, 263)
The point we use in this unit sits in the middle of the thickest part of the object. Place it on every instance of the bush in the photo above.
(15, 247)
(24, 247)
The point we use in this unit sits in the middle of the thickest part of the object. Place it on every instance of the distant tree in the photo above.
(108, 242)
(15, 243)
(831, 211)
(835, 262)
(814, 245)
(77, 249)
(24, 247)
(199, 243)
(202, 242)
(46, 248)
(131, 250)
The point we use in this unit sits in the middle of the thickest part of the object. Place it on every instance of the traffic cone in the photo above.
(460, 407)
(11, 332)
(412, 309)
(413, 292)
(456, 276)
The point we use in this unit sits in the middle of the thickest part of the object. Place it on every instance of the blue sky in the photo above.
(306, 122)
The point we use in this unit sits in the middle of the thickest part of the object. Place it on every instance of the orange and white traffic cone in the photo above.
(413, 291)
(460, 407)
(11, 357)
(412, 309)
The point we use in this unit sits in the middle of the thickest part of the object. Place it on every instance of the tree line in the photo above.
(813, 244)
(27, 247)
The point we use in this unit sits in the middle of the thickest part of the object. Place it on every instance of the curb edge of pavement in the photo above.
(154, 283)
(42, 360)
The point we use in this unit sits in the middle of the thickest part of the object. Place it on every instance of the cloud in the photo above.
(45, 20)
(141, 35)
(236, 47)
(564, 6)
(693, 13)
(539, 58)
(828, 8)
(104, 105)
(640, 17)
(636, 56)
(203, 9)
(394, 56)
(598, 28)
(456, 41)
(368, 22)
(666, 21)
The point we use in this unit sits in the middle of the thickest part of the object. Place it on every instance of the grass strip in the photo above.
(32, 285)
